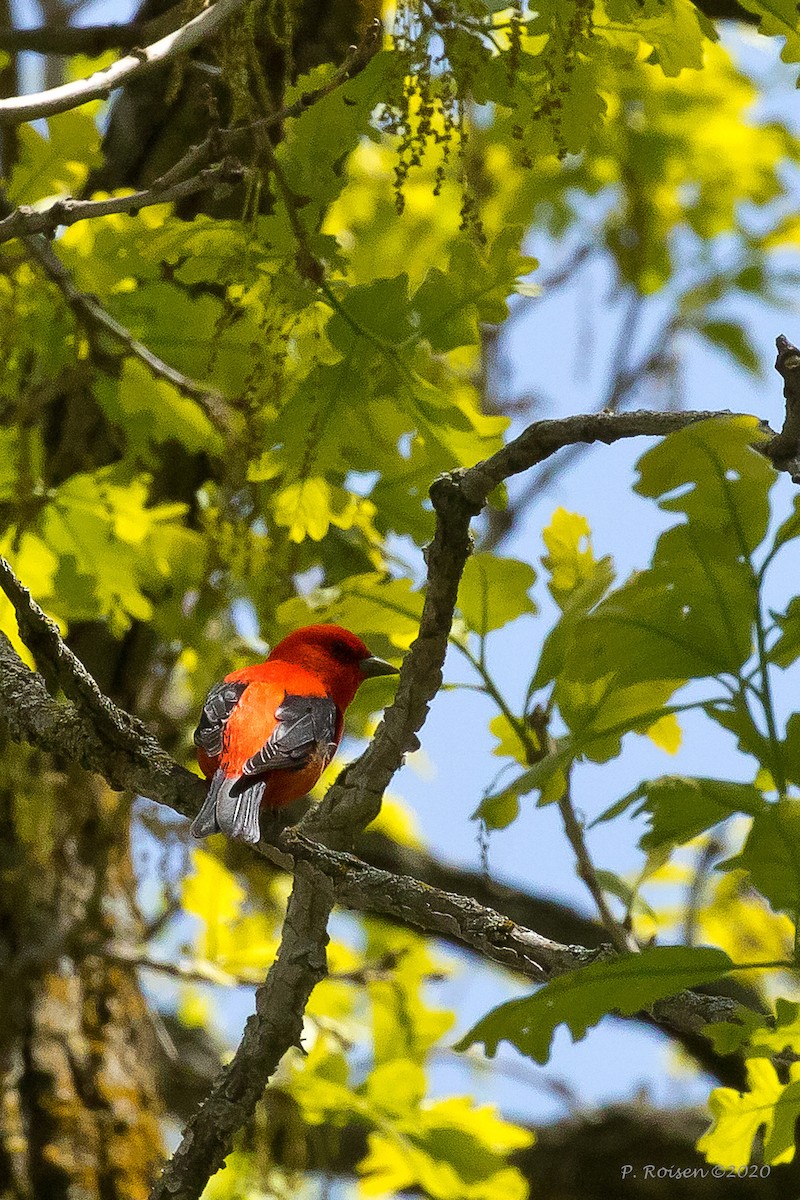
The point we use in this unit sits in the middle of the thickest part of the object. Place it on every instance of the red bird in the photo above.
(267, 732)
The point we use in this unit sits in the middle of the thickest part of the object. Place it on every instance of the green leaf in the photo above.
(789, 529)
(738, 1116)
(734, 715)
(675, 29)
(100, 527)
(450, 1150)
(449, 305)
(577, 582)
(494, 591)
(575, 573)
(310, 507)
(368, 604)
(679, 808)
(317, 142)
(322, 1088)
(789, 749)
(786, 649)
(57, 164)
(396, 1087)
(782, 1036)
(691, 613)
(148, 412)
(600, 712)
(732, 337)
(548, 776)
(510, 744)
(778, 18)
(498, 810)
(378, 310)
(771, 855)
(581, 998)
(720, 480)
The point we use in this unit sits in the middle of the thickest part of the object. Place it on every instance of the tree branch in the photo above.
(192, 173)
(25, 221)
(91, 40)
(784, 449)
(365, 888)
(102, 83)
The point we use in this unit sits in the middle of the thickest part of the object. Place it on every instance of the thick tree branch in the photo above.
(447, 914)
(102, 83)
(91, 40)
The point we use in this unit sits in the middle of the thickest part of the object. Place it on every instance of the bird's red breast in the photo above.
(253, 721)
(267, 732)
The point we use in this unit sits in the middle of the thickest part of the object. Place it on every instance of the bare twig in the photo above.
(239, 139)
(622, 939)
(102, 83)
(187, 970)
(24, 221)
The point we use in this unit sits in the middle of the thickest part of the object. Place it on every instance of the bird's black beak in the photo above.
(372, 666)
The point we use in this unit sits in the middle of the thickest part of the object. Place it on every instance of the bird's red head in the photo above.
(335, 655)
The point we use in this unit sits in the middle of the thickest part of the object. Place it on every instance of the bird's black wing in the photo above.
(219, 704)
(306, 727)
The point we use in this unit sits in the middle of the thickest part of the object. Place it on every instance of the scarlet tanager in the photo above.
(267, 732)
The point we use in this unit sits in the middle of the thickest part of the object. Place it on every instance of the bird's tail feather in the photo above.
(231, 806)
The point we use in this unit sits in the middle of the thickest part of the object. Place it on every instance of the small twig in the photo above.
(102, 83)
(622, 939)
(239, 139)
(25, 221)
(90, 311)
(194, 970)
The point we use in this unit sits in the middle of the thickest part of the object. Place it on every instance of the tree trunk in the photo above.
(79, 1116)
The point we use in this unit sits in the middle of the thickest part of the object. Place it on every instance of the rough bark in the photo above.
(79, 1114)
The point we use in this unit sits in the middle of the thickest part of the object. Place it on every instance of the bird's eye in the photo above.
(341, 651)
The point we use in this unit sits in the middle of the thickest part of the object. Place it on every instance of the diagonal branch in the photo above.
(91, 312)
(102, 83)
